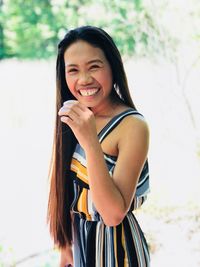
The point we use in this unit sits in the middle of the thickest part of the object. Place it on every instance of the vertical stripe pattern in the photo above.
(98, 245)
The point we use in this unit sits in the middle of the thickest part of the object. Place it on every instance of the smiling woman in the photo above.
(99, 172)
(88, 74)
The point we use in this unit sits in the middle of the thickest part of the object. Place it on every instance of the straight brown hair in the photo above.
(61, 188)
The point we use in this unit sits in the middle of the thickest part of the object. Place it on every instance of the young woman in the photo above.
(99, 170)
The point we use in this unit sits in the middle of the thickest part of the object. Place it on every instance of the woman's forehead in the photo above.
(82, 51)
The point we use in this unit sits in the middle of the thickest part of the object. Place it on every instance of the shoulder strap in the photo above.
(115, 121)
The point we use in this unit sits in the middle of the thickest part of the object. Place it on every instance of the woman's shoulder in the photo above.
(133, 136)
(131, 116)
(133, 124)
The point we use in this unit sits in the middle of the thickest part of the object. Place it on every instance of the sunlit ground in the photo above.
(170, 217)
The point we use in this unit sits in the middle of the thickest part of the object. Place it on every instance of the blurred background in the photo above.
(160, 44)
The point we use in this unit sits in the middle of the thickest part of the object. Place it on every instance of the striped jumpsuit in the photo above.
(95, 244)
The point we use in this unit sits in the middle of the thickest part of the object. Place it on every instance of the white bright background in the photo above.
(27, 116)
(27, 93)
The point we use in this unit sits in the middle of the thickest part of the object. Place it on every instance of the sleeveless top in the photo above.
(82, 204)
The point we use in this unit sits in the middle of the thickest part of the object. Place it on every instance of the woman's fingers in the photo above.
(75, 103)
(80, 119)
(76, 106)
(68, 121)
(69, 112)
(72, 109)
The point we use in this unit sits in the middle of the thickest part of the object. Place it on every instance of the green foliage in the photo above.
(132, 25)
(2, 40)
(32, 29)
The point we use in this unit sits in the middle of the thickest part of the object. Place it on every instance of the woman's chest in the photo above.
(109, 144)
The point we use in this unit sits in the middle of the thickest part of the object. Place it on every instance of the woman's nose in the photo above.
(85, 78)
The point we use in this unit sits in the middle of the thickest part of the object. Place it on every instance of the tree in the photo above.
(32, 29)
(2, 39)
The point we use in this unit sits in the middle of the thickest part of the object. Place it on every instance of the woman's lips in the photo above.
(88, 92)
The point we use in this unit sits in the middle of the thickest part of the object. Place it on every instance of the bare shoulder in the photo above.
(133, 129)
(134, 124)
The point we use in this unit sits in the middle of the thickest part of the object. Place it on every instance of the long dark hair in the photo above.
(60, 195)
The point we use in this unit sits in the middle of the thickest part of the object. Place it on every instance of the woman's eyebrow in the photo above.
(71, 65)
(89, 62)
(94, 61)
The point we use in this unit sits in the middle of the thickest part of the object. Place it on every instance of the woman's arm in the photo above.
(112, 196)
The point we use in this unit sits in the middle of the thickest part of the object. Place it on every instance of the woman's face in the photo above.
(88, 74)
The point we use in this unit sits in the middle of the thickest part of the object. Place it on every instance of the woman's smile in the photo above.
(88, 75)
(89, 91)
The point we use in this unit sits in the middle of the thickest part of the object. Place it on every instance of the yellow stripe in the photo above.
(82, 168)
(79, 169)
(82, 203)
(115, 246)
(124, 246)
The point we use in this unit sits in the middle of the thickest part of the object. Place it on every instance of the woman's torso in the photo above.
(108, 137)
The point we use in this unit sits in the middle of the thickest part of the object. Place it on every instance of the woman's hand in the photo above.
(81, 120)
(66, 257)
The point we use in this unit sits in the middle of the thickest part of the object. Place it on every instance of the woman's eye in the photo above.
(94, 67)
(72, 70)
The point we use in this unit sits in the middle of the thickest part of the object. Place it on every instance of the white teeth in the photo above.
(88, 92)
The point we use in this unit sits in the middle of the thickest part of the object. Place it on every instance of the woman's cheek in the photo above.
(70, 84)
